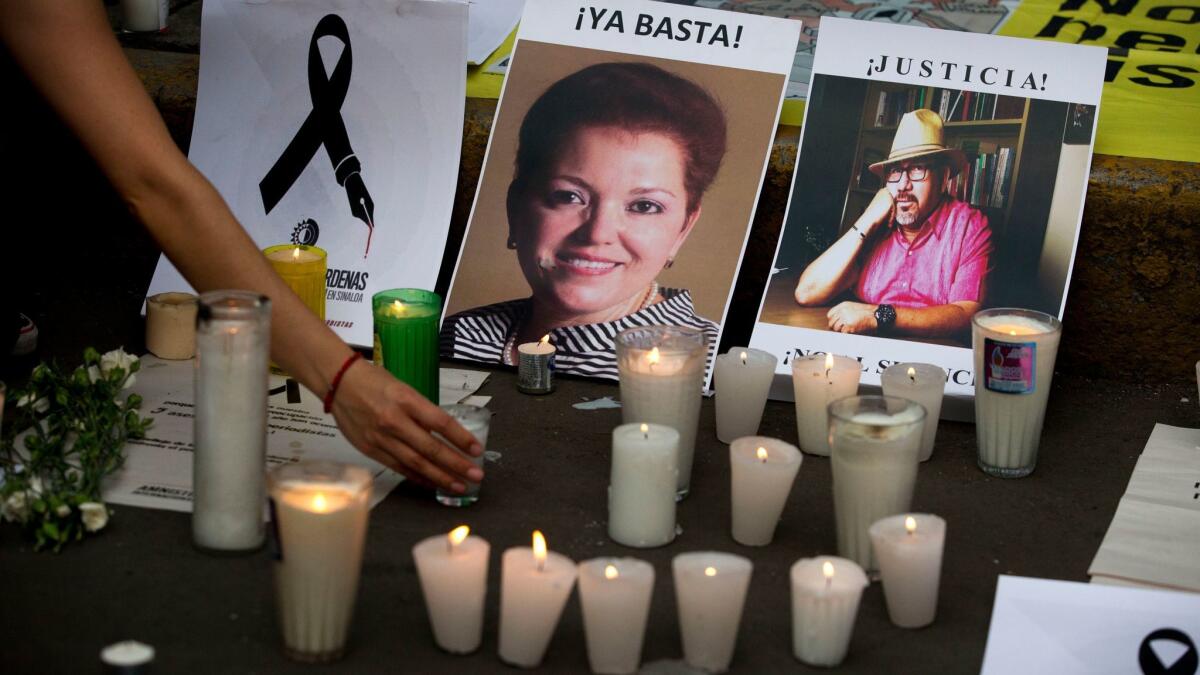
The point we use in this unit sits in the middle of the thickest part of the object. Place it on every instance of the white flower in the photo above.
(95, 516)
(117, 358)
(93, 374)
(41, 405)
(63, 510)
(15, 509)
(36, 486)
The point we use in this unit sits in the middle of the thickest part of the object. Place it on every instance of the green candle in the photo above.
(406, 337)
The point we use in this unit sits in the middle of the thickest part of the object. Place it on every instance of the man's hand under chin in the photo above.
(853, 317)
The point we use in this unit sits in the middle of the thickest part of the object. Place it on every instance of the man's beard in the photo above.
(907, 218)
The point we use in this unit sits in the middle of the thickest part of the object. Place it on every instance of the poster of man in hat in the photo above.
(937, 176)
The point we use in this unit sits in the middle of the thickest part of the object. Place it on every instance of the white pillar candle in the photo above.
(875, 444)
(825, 595)
(762, 471)
(171, 325)
(924, 383)
(534, 586)
(320, 514)
(662, 373)
(144, 16)
(453, 573)
(229, 458)
(535, 367)
(818, 381)
(909, 550)
(710, 590)
(743, 379)
(615, 596)
(1014, 363)
(477, 420)
(641, 490)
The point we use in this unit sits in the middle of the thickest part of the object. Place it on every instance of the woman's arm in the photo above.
(67, 50)
(833, 271)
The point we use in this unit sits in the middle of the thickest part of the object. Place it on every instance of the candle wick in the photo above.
(541, 565)
(828, 583)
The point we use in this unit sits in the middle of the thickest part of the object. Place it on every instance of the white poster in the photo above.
(336, 124)
(939, 173)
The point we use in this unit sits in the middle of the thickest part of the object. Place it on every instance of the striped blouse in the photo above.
(480, 334)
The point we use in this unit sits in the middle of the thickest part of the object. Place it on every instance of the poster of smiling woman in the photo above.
(939, 173)
(620, 180)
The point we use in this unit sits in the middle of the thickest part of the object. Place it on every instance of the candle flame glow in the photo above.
(912, 373)
(610, 572)
(319, 504)
(653, 357)
(296, 253)
(646, 431)
(827, 570)
(539, 550)
(910, 524)
(710, 571)
(458, 535)
(828, 362)
(743, 358)
(1012, 332)
(398, 306)
(762, 454)
(545, 338)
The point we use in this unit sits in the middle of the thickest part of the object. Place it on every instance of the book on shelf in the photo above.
(984, 181)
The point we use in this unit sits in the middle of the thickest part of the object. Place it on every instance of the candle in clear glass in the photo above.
(1014, 364)
(534, 586)
(641, 490)
(476, 420)
(742, 377)
(921, 382)
(825, 595)
(875, 440)
(710, 591)
(320, 514)
(233, 334)
(614, 594)
(762, 471)
(406, 337)
(909, 548)
(171, 325)
(453, 573)
(817, 381)
(662, 373)
(302, 268)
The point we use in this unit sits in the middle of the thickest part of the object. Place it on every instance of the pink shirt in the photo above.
(947, 262)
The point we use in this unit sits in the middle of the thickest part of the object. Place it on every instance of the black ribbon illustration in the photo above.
(1150, 663)
(324, 126)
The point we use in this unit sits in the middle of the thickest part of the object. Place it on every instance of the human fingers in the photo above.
(438, 454)
(392, 462)
(418, 463)
(435, 419)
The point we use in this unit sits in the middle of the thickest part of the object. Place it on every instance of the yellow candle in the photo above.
(302, 268)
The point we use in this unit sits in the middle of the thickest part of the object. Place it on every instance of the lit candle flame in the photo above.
(1012, 332)
(910, 524)
(646, 431)
(912, 373)
(762, 455)
(610, 572)
(398, 307)
(457, 536)
(743, 358)
(828, 365)
(545, 338)
(539, 550)
(296, 253)
(710, 571)
(827, 570)
(319, 503)
(653, 357)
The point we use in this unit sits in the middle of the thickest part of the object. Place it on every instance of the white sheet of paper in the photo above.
(490, 22)
(158, 469)
(1062, 628)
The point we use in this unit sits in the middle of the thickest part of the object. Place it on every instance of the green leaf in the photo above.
(91, 356)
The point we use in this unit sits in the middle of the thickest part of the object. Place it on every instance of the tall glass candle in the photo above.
(406, 337)
(641, 489)
(476, 420)
(662, 373)
(233, 335)
(742, 377)
(615, 596)
(302, 268)
(534, 586)
(171, 325)
(453, 573)
(909, 550)
(762, 471)
(1014, 364)
(921, 382)
(320, 514)
(817, 381)
(876, 440)
(825, 595)
(710, 591)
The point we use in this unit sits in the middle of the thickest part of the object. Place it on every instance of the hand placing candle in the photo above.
(535, 367)
(909, 551)
(817, 382)
(534, 586)
(825, 595)
(762, 471)
(478, 421)
(615, 596)
(743, 379)
(925, 384)
(641, 490)
(710, 589)
(453, 573)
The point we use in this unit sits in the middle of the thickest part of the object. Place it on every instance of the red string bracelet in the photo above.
(337, 379)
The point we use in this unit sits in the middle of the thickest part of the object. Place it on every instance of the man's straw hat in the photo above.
(920, 134)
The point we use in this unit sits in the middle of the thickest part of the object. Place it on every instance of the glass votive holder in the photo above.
(1014, 364)
(476, 420)
(406, 337)
(302, 268)
(319, 517)
(875, 442)
(662, 372)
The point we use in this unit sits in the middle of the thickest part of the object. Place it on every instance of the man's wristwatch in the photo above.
(885, 316)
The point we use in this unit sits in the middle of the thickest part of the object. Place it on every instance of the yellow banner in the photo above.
(1151, 103)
